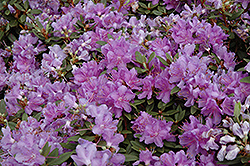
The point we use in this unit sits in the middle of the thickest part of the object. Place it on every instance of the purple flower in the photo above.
(148, 84)
(86, 71)
(7, 141)
(118, 53)
(226, 139)
(146, 157)
(180, 158)
(70, 100)
(113, 19)
(122, 97)
(34, 102)
(127, 77)
(141, 122)
(52, 62)
(162, 83)
(101, 158)
(198, 137)
(212, 109)
(104, 123)
(207, 160)
(117, 159)
(85, 153)
(26, 151)
(156, 132)
(112, 139)
(228, 106)
(232, 151)
(162, 46)
(64, 24)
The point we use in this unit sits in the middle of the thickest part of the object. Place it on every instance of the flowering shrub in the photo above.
(125, 82)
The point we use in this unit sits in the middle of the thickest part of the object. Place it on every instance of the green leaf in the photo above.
(152, 55)
(82, 132)
(128, 148)
(53, 154)
(149, 108)
(46, 149)
(247, 60)
(179, 108)
(150, 101)
(140, 58)
(76, 1)
(12, 125)
(156, 12)
(193, 110)
(26, 4)
(172, 145)
(228, 14)
(175, 90)
(236, 14)
(19, 7)
(38, 116)
(3, 107)
(230, 162)
(7, 12)
(109, 36)
(12, 38)
(24, 117)
(73, 138)
(241, 69)
(162, 9)
(161, 105)
(214, 16)
(23, 18)
(13, 23)
(231, 35)
(127, 115)
(245, 159)
(169, 57)
(104, 2)
(237, 109)
(143, 5)
(122, 150)
(138, 102)
(170, 112)
(126, 132)
(89, 138)
(245, 79)
(180, 116)
(130, 157)
(140, 70)
(30, 16)
(102, 43)
(169, 119)
(153, 113)
(99, 50)
(39, 24)
(162, 61)
(71, 146)
(61, 159)
(1, 34)
(136, 145)
(131, 104)
(35, 11)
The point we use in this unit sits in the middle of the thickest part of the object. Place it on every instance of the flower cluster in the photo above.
(91, 83)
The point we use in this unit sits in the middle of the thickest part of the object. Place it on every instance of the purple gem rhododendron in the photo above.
(155, 82)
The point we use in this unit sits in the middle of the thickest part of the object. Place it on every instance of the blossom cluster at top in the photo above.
(72, 101)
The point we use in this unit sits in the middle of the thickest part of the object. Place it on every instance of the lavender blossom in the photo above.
(85, 153)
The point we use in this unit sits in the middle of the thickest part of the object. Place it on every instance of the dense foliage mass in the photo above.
(115, 82)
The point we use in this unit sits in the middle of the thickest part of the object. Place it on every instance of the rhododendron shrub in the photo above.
(161, 83)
